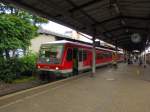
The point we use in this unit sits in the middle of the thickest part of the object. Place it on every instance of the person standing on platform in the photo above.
(114, 59)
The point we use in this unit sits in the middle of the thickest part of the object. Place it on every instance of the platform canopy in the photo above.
(113, 21)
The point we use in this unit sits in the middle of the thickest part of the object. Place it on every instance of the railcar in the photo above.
(66, 58)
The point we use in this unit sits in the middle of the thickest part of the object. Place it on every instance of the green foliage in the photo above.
(28, 17)
(38, 20)
(16, 68)
(17, 28)
(15, 33)
(7, 71)
(28, 63)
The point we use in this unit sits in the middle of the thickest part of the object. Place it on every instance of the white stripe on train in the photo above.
(70, 70)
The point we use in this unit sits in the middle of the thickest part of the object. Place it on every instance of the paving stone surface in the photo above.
(126, 89)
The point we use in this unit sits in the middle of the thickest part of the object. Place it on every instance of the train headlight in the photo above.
(39, 67)
(57, 68)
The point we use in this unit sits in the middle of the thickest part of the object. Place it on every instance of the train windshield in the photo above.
(51, 53)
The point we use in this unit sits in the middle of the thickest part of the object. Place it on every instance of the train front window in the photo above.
(51, 53)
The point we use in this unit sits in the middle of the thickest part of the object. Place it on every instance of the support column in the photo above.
(116, 55)
(93, 56)
(145, 58)
(125, 56)
(116, 47)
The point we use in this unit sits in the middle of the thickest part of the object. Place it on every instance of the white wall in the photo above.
(37, 41)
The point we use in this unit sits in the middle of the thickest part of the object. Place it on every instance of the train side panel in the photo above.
(65, 68)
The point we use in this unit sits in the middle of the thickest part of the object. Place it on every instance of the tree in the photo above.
(34, 19)
(38, 20)
(15, 33)
(17, 28)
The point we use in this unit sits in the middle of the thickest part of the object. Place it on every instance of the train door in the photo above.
(80, 59)
(75, 61)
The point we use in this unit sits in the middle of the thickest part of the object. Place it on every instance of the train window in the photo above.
(110, 54)
(51, 53)
(69, 54)
(84, 55)
(106, 55)
(80, 55)
(99, 56)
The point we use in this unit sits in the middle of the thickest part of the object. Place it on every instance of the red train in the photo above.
(65, 58)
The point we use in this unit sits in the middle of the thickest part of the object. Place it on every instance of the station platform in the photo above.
(125, 89)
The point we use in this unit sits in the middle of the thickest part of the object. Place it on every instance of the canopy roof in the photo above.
(113, 21)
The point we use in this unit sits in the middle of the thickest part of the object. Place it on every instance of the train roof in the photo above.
(77, 43)
(59, 42)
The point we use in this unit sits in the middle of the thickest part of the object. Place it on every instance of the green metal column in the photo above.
(145, 58)
(116, 48)
(93, 57)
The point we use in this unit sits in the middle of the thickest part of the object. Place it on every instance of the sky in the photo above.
(55, 27)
